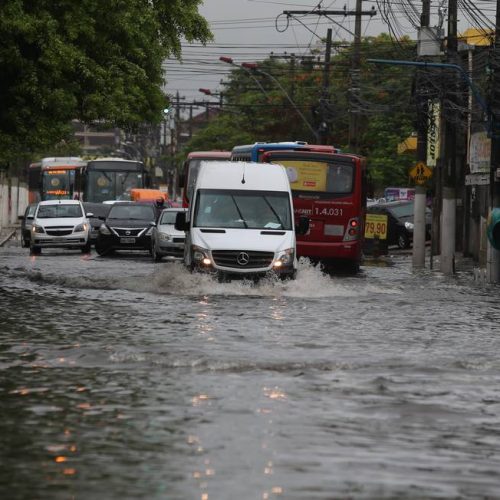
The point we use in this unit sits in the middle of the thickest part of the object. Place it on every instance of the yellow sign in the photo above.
(306, 175)
(376, 226)
(420, 173)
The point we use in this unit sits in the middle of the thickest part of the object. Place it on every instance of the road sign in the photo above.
(420, 173)
(376, 226)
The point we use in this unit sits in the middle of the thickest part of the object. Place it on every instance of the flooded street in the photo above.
(121, 378)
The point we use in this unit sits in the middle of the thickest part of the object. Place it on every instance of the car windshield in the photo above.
(403, 210)
(169, 217)
(243, 209)
(132, 212)
(57, 211)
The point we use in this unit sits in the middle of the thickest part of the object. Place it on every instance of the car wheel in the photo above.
(86, 248)
(102, 250)
(154, 253)
(34, 250)
(403, 240)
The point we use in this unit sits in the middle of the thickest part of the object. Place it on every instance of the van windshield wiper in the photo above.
(239, 212)
(274, 212)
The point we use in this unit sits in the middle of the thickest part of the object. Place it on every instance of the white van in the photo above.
(240, 221)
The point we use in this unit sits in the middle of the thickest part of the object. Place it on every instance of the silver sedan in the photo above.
(166, 241)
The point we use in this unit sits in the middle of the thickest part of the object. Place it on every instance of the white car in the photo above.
(166, 241)
(60, 224)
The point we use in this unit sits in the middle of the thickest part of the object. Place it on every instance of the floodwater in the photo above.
(120, 378)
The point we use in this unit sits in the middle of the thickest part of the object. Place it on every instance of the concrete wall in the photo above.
(13, 201)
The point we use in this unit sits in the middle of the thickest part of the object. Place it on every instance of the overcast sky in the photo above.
(246, 30)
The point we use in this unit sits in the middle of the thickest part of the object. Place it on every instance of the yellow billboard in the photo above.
(306, 175)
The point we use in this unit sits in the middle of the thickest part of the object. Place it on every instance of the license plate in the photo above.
(127, 241)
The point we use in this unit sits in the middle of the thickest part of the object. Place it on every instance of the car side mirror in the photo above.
(152, 224)
(89, 214)
(303, 225)
(180, 222)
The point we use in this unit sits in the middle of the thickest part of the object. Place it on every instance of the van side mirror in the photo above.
(303, 225)
(180, 222)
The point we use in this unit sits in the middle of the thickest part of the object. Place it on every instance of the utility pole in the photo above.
(355, 81)
(325, 97)
(449, 157)
(418, 256)
(358, 13)
(493, 255)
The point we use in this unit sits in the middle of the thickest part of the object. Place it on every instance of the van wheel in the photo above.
(34, 250)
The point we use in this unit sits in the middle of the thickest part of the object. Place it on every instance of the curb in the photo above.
(7, 238)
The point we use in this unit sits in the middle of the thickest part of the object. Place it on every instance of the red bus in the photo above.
(55, 178)
(330, 189)
(192, 167)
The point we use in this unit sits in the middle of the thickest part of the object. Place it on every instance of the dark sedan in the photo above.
(128, 226)
(400, 221)
(100, 212)
(26, 223)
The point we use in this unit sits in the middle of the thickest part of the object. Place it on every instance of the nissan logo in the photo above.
(127, 233)
(243, 259)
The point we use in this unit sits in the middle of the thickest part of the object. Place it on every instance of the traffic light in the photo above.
(493, 229)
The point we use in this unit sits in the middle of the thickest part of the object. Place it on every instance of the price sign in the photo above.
(376, 226)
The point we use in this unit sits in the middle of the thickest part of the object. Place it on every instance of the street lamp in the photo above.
(254, 67)
(229, 60)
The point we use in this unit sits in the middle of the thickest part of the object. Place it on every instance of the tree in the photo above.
(92, 60)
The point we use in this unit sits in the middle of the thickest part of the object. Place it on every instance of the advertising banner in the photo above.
(479, 153)
(433, 138)
(306, 175)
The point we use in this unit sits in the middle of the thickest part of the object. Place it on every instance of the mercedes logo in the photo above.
(243, 259)
(127, 233)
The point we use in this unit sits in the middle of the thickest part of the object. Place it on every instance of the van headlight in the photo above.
(37, 229)
(201, 255)
(285, 258)
(104, 229)
(80, 228)
(409, 226)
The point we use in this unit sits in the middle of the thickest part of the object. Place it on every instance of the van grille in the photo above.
(232, 258)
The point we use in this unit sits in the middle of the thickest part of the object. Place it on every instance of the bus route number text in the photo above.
(328, 211)
(376, 226)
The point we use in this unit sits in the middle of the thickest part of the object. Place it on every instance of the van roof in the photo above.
(230, 174)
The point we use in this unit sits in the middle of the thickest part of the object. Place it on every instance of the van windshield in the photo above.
(243, 209)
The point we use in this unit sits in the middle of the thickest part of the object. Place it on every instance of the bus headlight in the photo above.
(285, 258)
(37, 229)
(104, 229)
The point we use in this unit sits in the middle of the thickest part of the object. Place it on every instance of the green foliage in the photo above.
(92, 60)
(385, 106)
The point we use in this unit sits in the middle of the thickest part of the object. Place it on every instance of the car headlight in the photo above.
(165, 237)
(104, 229)
(80, 228)
(285, 258)
(409, 226)
(37, 229)
(201, 255)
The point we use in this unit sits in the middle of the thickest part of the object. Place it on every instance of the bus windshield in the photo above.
(243, 209)
(319, 176)
(105, 185)
(58, 184)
